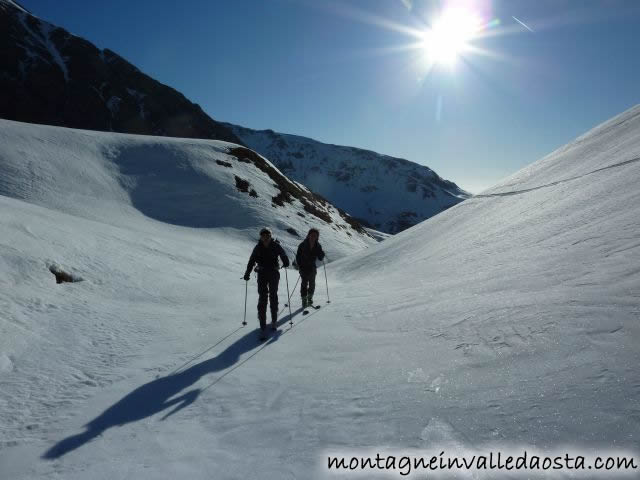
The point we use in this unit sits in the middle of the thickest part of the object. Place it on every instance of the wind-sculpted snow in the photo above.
(530, 293)
(135, 223)
(509, 321)
(191, 183)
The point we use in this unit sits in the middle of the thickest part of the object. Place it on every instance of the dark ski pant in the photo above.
(308, 282)
(267, 290)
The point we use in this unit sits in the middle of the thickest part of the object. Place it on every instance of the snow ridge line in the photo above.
(526, 190)
(18, 6)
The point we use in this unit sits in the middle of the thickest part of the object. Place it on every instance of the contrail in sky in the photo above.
(408, 4)
(523, 24)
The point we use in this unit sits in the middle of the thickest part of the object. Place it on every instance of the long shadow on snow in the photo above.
(159, 394)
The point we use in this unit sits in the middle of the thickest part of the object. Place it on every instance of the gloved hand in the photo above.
(247, 276)
(295, 265)
(285, 264)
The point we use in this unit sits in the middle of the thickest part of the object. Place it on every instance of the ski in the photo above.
(315, 307)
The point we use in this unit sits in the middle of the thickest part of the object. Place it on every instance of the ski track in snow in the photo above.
(519, 192)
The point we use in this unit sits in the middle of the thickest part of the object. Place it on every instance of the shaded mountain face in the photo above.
(387, 193)
(56, 78)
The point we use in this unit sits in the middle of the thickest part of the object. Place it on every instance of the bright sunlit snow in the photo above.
(511, 318)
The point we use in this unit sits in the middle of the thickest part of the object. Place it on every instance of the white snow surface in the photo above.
(509, 319)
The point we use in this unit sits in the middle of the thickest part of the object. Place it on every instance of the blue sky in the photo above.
(339, 71)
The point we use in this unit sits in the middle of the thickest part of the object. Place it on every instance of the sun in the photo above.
(450, 35)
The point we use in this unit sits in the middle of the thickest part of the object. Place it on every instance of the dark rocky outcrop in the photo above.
(313, 203)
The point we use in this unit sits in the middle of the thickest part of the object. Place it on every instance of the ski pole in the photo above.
(246, 285)
(288, 296)
(325, 281)
(293, 290)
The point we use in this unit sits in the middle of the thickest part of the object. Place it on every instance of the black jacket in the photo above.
(267, 257)
(306, 256)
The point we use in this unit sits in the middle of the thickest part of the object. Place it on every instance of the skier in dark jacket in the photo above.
(266, 254)
(308, 251)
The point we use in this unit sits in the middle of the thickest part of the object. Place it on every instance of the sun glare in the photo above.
(450, 35)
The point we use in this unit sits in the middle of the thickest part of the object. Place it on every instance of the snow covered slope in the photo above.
(389, 193)
(510, 320)
(138, 222)
(126, 179)
(518, 311)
